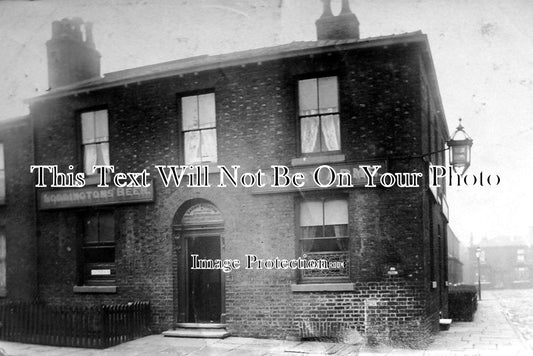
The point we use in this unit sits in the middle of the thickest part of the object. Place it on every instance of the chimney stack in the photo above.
(343, 26)
(72, 57)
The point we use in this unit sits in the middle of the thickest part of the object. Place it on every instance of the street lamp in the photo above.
(460, 145)
(478, 255)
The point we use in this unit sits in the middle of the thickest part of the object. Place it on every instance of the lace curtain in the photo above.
(319, 125)
(95, 137)
(330, 133)
(324, 219)
(199, 123)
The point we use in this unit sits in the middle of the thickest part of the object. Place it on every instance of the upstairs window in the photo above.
(199, 128)
(95, 139)
(324, 235)
(98, 248)
(520, 255)
(319, 115)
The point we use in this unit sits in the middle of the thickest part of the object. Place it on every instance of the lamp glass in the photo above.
(460, 154)
(460, 145)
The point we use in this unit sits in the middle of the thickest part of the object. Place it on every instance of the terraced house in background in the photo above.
(340, 101)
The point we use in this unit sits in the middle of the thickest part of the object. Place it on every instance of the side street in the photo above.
(503, 325)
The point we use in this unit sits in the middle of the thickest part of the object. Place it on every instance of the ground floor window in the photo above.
(98, 248)
(324, 235)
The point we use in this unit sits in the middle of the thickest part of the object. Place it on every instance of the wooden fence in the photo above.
(94, 327)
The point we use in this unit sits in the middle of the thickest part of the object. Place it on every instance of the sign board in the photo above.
(357, 176)
(445, 208)
(434, 190)
(100, 272)
(92, 196)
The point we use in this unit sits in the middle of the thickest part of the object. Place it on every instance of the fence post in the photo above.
(130, 320)
(105, 326)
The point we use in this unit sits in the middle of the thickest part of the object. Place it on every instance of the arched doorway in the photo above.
(198, 227)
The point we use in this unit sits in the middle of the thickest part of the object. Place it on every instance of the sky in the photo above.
(482, 50)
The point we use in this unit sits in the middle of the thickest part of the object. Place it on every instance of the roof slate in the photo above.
(206, 62)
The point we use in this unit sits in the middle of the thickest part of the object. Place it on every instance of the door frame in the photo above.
(182, 234)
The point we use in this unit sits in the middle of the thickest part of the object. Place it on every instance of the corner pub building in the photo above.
(340, 101)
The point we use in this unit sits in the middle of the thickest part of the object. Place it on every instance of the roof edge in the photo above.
(432, 73)
(15, 120)
(90, 85)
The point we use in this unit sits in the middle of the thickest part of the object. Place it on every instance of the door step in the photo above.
(211, 331)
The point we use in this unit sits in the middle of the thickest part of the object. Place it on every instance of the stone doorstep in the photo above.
(199, 330)
(201, 325)
(198, 333)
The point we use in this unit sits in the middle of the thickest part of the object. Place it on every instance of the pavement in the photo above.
(503, 325)
(491, 333)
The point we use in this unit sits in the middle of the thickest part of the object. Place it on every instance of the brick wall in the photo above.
(18, 213)
(391, 311)
(256, 113)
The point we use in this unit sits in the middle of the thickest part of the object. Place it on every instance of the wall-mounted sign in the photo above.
(445, 208)
(100, 272)
(93, 196)
(432, 187)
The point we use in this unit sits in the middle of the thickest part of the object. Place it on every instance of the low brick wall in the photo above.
(390, 312)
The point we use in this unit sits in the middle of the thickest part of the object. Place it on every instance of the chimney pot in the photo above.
(340, 27)
(346, 7)
(89, 40)
(326, 12)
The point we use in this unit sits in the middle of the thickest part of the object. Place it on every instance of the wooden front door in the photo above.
(204, 287)
(198, 232)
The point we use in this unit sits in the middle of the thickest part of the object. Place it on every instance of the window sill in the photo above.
(322, 287)
(312, 160)
(94, 289)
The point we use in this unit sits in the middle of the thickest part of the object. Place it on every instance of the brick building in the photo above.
(504, 263)
(340, 101)
(455, 254)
